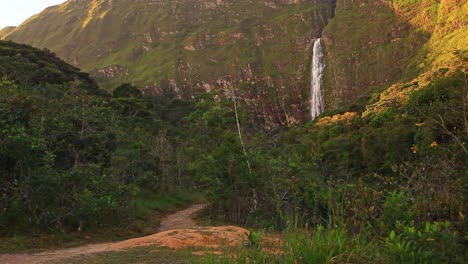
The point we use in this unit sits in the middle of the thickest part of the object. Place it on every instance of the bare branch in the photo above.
(448, 132)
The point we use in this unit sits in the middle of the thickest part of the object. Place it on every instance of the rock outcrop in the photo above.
(262, 49)
(372, 44)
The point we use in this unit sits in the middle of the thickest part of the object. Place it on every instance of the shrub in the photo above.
(434, 243)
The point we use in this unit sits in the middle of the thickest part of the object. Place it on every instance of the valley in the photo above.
(235, 131)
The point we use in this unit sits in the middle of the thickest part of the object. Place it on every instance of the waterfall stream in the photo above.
(317, 105)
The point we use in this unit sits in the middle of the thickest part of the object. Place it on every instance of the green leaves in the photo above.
(433, 243)
(70, 156)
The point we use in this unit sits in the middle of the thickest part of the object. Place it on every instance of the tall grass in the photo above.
(327, 245)
(431, 243)
(322, 245)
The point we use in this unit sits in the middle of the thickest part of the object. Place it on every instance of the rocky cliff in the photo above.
(372, 44)
(260, 48)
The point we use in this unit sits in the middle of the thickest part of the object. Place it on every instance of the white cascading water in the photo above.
(317, 105)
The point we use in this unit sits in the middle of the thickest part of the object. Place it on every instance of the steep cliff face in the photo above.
(374, 43)
(262, 48)
(445, 51)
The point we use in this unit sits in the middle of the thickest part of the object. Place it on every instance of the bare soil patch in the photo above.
(178, 231)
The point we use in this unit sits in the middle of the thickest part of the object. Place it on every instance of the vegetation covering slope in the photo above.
(382, 182)
(374, 43)
(264, 47)
(71, 155)
(28, 66)
(387, 188)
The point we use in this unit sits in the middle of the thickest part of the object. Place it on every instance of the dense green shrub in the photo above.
(71, 156)
(432, 243)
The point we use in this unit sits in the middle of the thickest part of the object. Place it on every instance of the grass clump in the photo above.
(432, 243)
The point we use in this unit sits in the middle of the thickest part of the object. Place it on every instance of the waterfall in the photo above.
(317, 105)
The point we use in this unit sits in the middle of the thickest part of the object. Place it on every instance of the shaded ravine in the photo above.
(177, 220)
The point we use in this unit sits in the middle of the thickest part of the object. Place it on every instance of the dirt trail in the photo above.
(181, 219)
(177, 230)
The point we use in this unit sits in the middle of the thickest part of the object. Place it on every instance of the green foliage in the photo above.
(30, 67)
(253, 240)
(72, 157)
(432, 243)
(322, 245)
(76, 158)
(383, 117)
(372, 176)
(395, 209)
(150, 202)
(222, 169)
(434, 97)
(126, 90)
(329, 245)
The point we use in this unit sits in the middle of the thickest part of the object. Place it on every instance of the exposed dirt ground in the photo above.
(177, 231)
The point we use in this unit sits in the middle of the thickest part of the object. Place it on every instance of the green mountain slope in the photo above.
(374, 43)
(26, 65)
(262, 48)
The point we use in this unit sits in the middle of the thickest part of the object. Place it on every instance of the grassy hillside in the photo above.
(5, 31)
(186, 46)
(372, 44)
(261, 48)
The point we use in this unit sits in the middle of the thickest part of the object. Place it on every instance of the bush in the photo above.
(395, 209)
(434, 243)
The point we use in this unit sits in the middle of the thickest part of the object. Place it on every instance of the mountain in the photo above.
(5, 31)
(262, 48)
(385, 162)
(374, 43)
(31, 67)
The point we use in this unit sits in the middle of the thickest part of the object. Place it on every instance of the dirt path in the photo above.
(180, 219)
